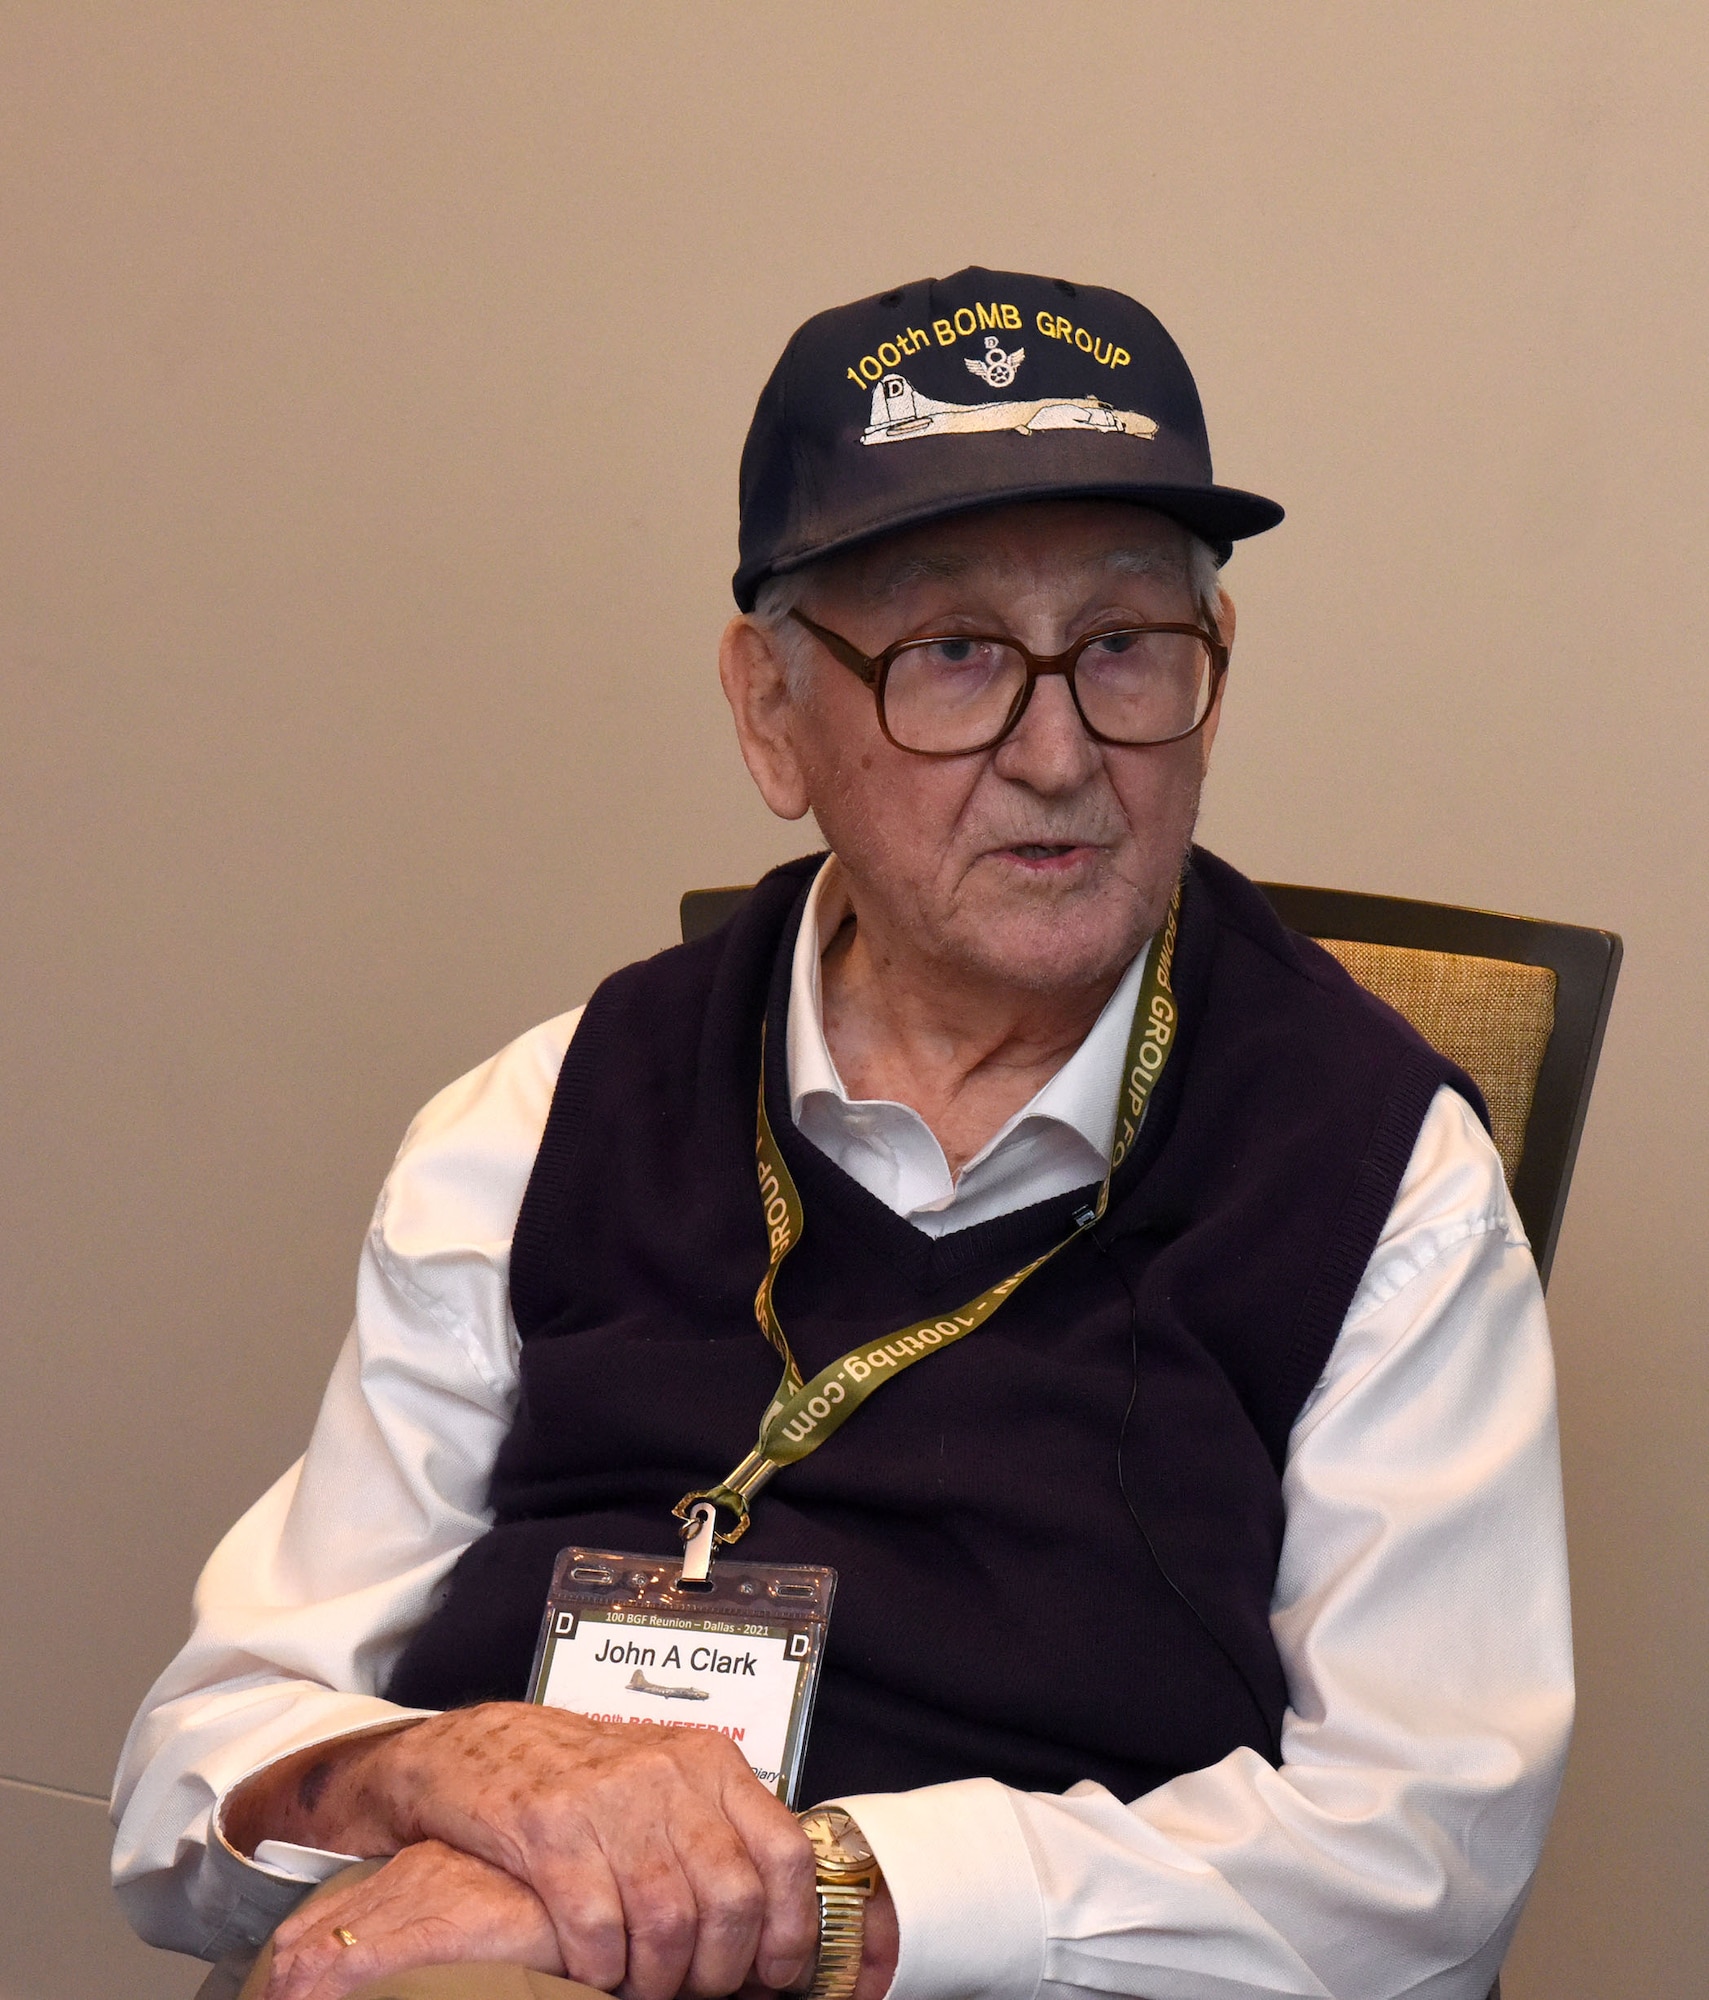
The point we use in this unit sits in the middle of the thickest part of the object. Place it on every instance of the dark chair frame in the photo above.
(1585, 962)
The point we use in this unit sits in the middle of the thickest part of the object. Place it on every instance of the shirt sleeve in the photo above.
(1421, 1615)
(305, 1606)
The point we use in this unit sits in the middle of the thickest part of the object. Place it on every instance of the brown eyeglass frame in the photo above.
(874, 670)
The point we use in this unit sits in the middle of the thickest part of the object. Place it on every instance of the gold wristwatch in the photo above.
(846, 1876)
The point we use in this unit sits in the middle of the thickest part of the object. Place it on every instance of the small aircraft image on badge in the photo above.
(639, 1684)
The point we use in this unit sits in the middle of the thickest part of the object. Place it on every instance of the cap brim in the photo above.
(1219, 515)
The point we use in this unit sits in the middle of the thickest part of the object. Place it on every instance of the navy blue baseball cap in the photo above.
(971, 391)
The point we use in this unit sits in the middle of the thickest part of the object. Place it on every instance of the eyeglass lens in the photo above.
(953, 694)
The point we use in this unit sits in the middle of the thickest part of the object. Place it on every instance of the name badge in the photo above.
(623, 1641)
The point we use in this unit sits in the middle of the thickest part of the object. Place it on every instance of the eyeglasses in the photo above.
(962, 692)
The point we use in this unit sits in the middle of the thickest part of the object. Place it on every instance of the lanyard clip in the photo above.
(701, 1538)
(699, 1542)
(698, 1512)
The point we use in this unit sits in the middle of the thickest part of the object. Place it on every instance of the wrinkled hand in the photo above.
(429, 1905)
(662, 1863)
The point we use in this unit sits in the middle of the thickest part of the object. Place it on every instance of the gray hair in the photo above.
(780, 595)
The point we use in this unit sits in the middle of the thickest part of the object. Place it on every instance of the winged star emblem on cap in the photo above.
(997, 370)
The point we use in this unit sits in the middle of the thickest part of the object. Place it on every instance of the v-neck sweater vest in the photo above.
(1057, 1541)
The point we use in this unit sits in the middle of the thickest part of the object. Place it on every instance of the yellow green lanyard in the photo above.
(802, 1415)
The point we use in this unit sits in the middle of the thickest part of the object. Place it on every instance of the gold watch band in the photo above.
(842, 1934)
(845, 1876)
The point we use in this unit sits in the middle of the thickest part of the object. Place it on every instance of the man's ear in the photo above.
(1225, 619)
(755, 675)
(1225, 632)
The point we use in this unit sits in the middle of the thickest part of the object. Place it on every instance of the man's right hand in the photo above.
(663, 1864)
(428, 1905)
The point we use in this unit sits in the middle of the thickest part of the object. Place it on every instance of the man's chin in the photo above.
(1050, 950)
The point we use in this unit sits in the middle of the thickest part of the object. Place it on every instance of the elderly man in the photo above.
(1166, 1375)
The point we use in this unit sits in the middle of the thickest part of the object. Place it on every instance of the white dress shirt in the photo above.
(1420, 1609)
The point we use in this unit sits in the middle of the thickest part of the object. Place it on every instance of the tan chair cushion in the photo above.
(1492, 1017)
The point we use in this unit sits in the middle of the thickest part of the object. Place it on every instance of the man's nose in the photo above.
(1049, 750)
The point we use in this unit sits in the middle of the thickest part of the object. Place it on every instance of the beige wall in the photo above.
(371, 383)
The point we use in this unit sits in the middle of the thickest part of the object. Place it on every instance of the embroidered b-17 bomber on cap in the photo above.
(964, 392)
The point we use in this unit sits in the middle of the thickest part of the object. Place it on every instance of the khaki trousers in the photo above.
(233, 1980)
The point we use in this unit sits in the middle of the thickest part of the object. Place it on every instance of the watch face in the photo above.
(837, 1841)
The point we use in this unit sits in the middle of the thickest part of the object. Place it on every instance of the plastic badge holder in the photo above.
(622, 1642)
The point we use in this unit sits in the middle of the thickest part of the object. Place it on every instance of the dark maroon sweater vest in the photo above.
(1056, 1542)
